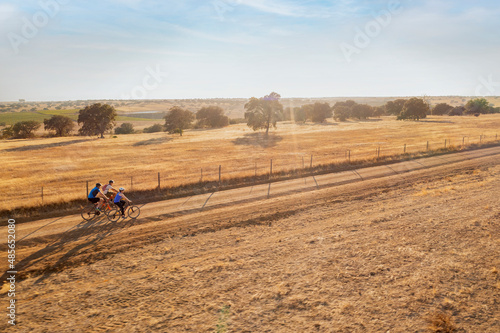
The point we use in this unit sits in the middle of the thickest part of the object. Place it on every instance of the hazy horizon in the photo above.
(60, 50)
(244, 98)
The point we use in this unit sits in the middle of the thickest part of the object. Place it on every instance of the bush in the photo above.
(211, 117)
(62, 125)
(25, 129)
(341, 113)
(442, 109)
(8, 132)
(125, 128)
(235, 121)
(154, 128)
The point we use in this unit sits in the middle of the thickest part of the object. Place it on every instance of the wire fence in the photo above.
(193, 174)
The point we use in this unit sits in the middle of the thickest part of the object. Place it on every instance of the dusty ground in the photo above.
(377, 256)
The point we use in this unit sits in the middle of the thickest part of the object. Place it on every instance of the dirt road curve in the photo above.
(289, 245)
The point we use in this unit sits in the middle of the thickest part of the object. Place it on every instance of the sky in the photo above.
(149, 49)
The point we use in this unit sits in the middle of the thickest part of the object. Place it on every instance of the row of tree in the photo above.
(260, 113)
(97, 119)
(472, 107)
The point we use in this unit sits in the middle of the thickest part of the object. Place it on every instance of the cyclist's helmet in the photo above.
(111, 181)
(122, 189)
(98, 184)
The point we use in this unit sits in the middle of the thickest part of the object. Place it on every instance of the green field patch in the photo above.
(70, 113)
(10, 118)
(127, 119)
(60, 112)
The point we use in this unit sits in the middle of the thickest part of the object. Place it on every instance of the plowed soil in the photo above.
(382, 255)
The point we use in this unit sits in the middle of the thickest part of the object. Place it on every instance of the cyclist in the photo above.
(96, 196)
(109, 187)
(120, 202)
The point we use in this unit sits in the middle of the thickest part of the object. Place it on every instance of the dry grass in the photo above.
(63, 165)
(441, 323)
(363, 257)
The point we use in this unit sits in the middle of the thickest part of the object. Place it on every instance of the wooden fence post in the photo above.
(42, 195)
(131, 182)
(311, 162)
(271, 170)
(159, 184)
(404, 151)
(220, 174)
(87, 188)
(427, 145)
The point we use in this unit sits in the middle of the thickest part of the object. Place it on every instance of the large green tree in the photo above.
(261, 113)
(178, 119)
(341, 112)
(320, 111)
(478, 105)
(415, 109)
(212, 117)
(96, 119)
(379, 111)
(362, 111)
(25, 129)
(395, 107)
(441, 109)
(62, 125)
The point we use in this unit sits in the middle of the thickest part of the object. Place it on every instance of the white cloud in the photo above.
(244, 40)
(283, 9)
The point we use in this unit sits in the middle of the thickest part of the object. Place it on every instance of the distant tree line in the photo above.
(260, 114)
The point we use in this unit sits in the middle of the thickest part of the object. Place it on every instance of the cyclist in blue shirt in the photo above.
(96, 196)
(120, 202)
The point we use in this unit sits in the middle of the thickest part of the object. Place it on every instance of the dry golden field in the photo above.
(62, 166)
(413, 252)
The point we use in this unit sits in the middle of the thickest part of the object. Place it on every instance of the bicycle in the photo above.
(132, 211)
(90, 211)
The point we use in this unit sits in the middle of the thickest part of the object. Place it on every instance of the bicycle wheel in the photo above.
(88, 212)
(114, 215)
(134, 212)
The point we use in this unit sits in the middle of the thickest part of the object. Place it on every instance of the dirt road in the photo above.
(378, 249)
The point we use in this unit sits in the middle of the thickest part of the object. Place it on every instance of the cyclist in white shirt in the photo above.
(109, 187)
